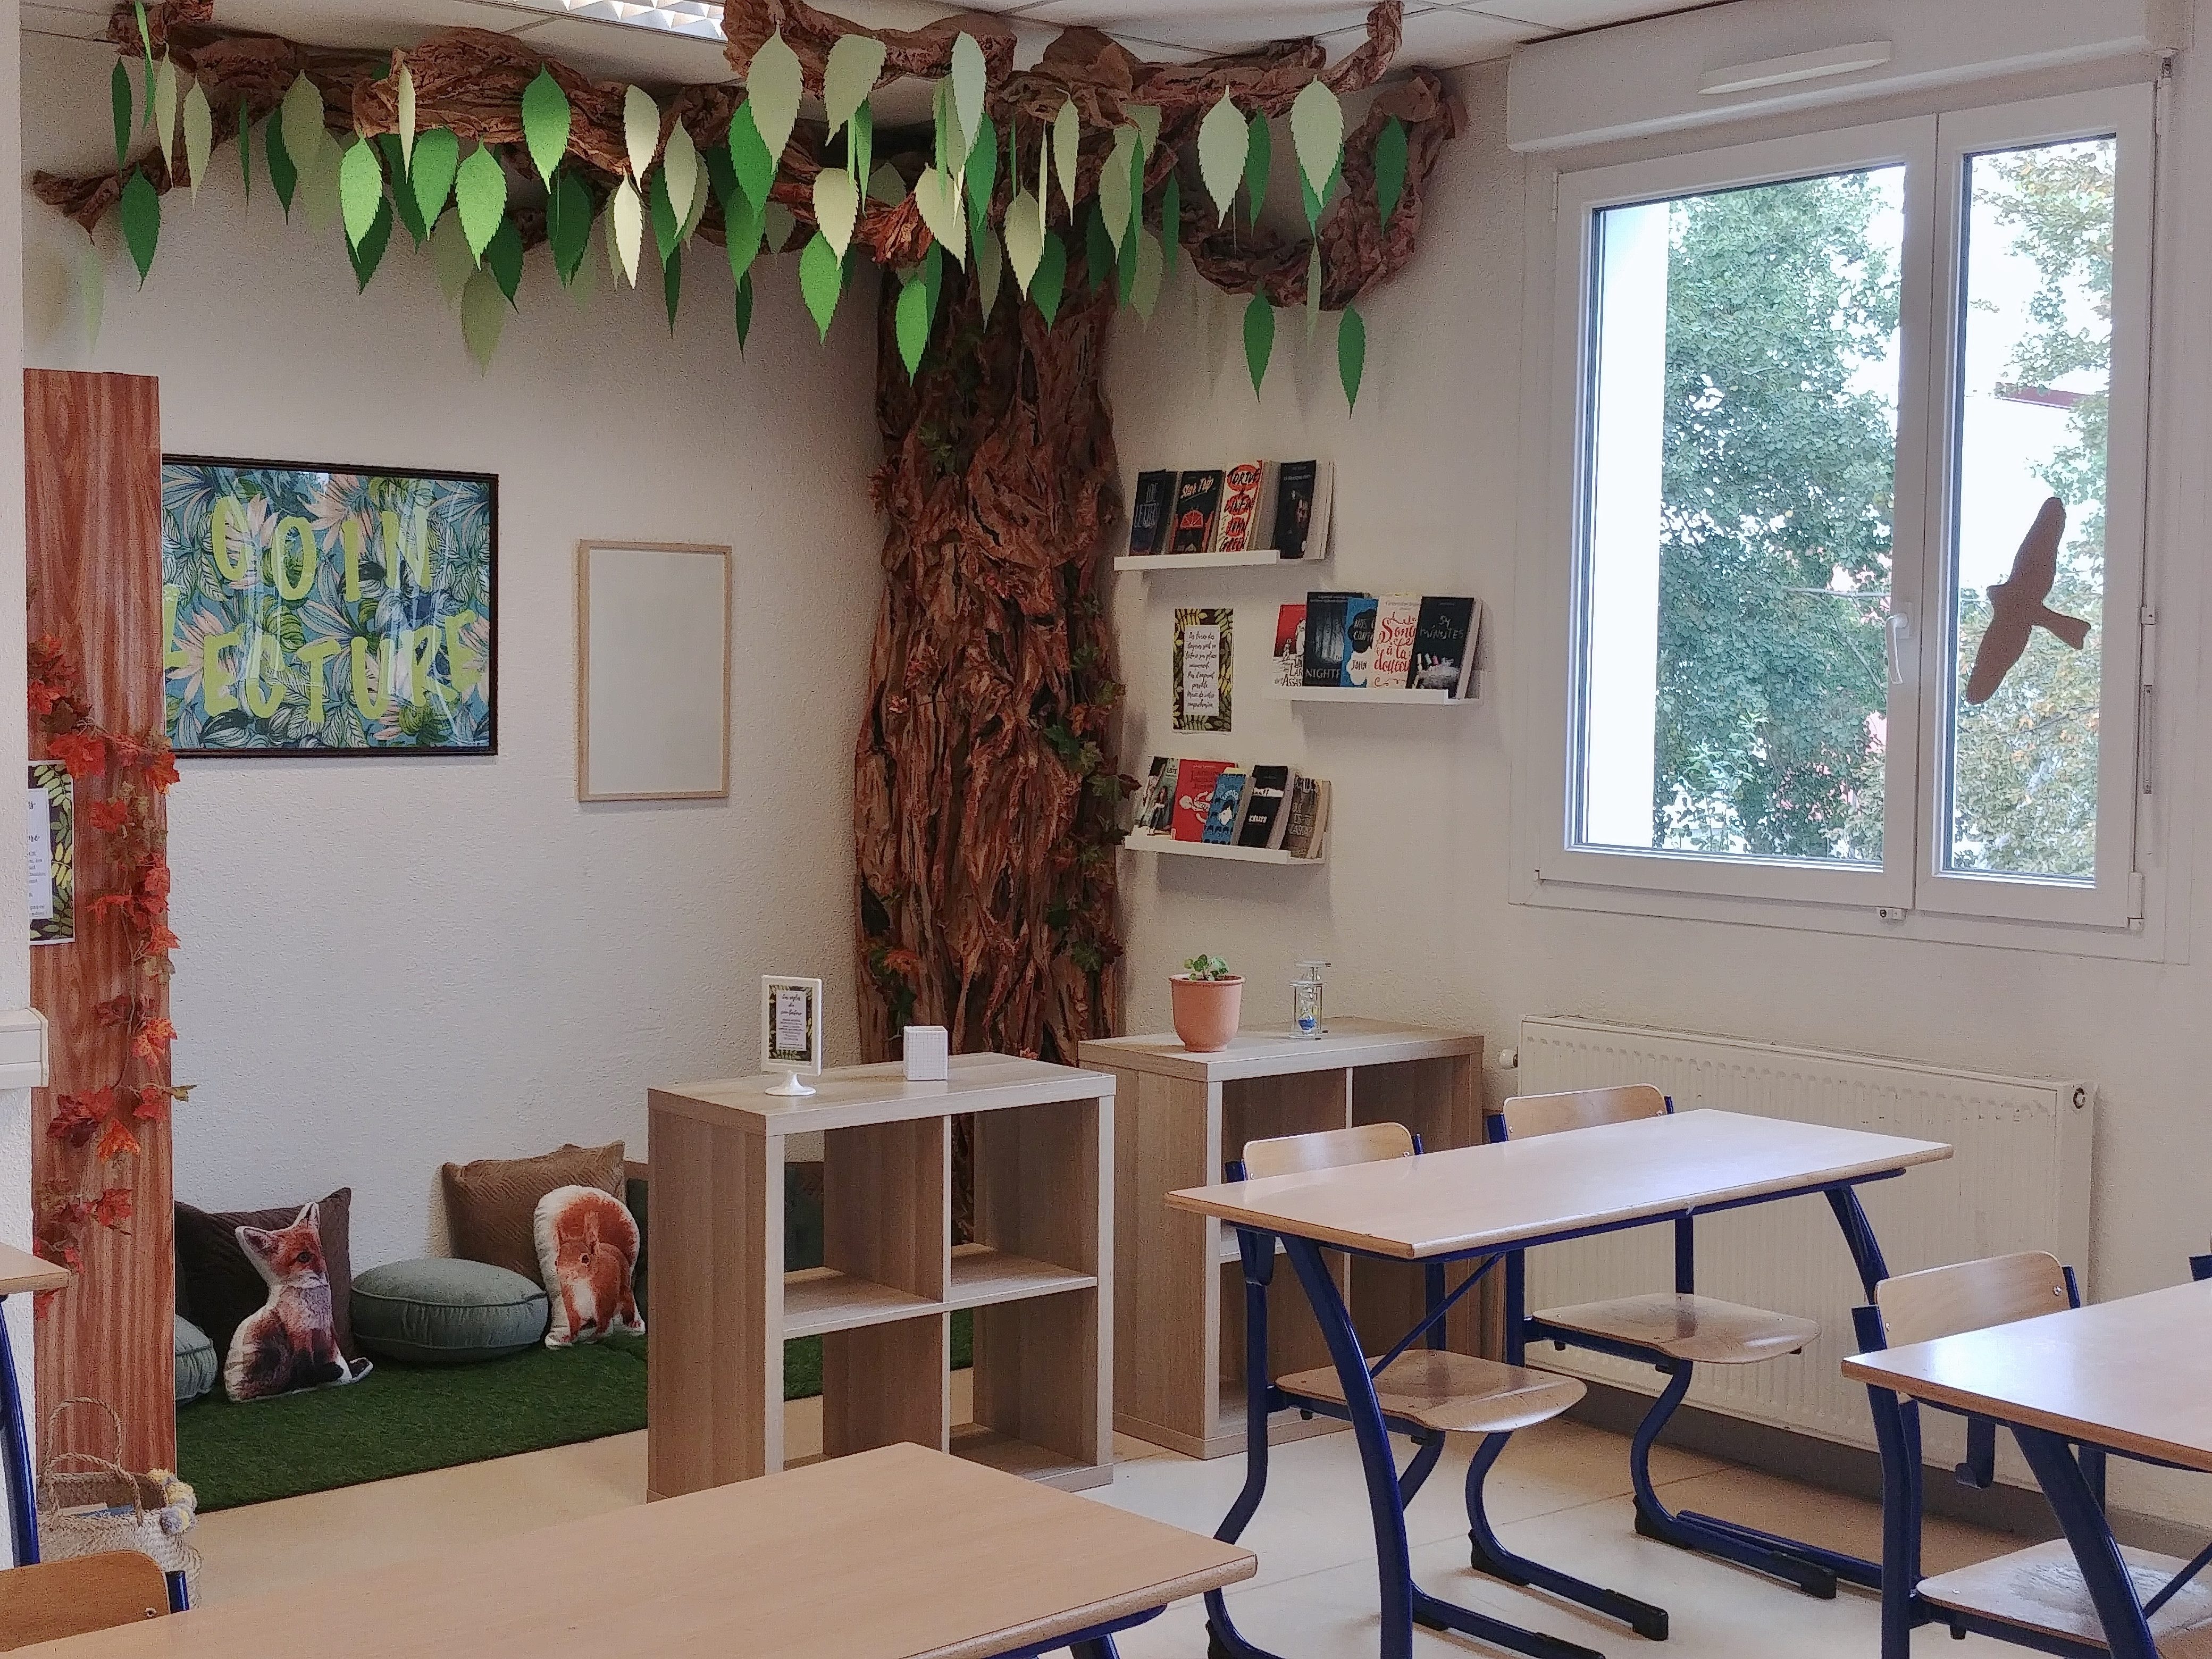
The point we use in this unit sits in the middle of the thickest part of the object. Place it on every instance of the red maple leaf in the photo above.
(78, 1118)
(159, 938)
(153, 882)
(160, 769)
(83, 753)
(116, 1010)
(154, 1037)
(154, 1100)
(108, 816)
(116, 1140)
(113, 1208)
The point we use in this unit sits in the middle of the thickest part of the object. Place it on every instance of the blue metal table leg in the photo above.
(2126, 1629)
(1223, 1639)
(15, 1452)
(1101, 1648)
(1489, 1555)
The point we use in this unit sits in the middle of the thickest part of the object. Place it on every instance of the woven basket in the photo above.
(89, 1505)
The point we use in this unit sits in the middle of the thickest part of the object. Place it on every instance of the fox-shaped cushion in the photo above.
(291, 1343)
(587, 1251)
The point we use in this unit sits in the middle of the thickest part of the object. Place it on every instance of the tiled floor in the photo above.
(1560, 1494)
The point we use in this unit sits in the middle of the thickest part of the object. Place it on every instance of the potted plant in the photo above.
(1207, 1000)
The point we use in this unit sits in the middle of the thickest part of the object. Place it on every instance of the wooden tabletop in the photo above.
(1473, 1197)
(1348, 1041)
(850, 1095)
(2130, 1375)
(898, 1553)
(20, 1272)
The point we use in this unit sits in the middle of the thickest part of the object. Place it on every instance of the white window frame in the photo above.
(1910, 888)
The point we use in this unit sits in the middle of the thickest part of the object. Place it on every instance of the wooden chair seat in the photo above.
(1701, 1328)
(74, 1597)
(2040, 1589)
(1451, 1392)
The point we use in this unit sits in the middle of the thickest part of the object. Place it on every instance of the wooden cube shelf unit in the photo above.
(1038, 1275)
(1179, 1311)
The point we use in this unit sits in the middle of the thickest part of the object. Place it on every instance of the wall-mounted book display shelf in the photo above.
(1368, 695)
(1263, 557)
(1169, 846)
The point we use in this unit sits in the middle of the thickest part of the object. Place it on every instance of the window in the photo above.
(1858, 435)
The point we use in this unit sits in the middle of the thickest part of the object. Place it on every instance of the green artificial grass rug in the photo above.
(403, 1419)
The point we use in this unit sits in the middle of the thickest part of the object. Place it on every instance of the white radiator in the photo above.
(2018, 1180)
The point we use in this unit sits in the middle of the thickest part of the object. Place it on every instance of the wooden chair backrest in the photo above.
(69, 1598)
(1970, 1296)
(1582, 1109)
(1327, 1149)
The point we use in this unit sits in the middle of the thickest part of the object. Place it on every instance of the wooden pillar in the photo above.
(92, 493)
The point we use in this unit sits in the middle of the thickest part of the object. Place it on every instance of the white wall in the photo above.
(389, 964)
(1413, 905)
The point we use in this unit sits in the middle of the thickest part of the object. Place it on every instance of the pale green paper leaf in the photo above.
(1389, 169)
(1222, 140)
(773, 85)
(990, 267)
(480, 193)
(628, 240)
(165, 109)
(318, 185)
(1116, 198)
(450, 258)
(1147, 117)
(1145, 292)
(821, 278)
(300, 118)
(699, 197)
(836, 208)
(850, 76)
(360, 189)
(952, 144)
(969, 73)
(1259, 164)
(778, 222)
(437, 158)
(1051, 285)
(586, 282)
(1024, 238)
(199, 135)
(91, 293)
(641, 131)
(1351, 354)
(982, 171)
(1259, 338)
(941, 200)
(679, 165)
(860, 142)
(1318, 130)
(405, 97)
(912, 324)
(483, 317)
(1313, 289)
(887, 185)
(545, 122)
(1068, 149)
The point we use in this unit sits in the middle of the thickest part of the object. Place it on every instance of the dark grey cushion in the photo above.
(196, 1364)
(444, 1310)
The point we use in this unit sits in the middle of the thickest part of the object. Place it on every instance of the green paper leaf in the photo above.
(503, 257)
(1116, 201)
(938, 195)
(671, 283)
(691, 227)
(165, 110)
(1024, 238)
(1223, 144)
(836, 207)
(483, 317)
(1125, 270)
(450, 258)
(1313, 288)
(1318, 130)
(369, 252)
(568, 224)
(1259, 163)
(1389, 169)
(744, 309)
(982, 173)
(777, 224)
(431, 174)
(199, 136)
(861, 141)
(679, 165)
(91, 293)
(640, 131)
(849, 76)
(141, 222)
(1097, 249)
(283, 170)
(118, 91)
(627, 241)
(886, 186)
(1170, 223)
(820, 279)
(933, 278)
(584, 282)
(741, 229)
(320, 191)
(912, 324)
(246, 148)
(480, 194)
(361, 190)
(403, 196)
(1066, 150)
(1351, 355)
(1259, 338)
(721, 175)
(1316, 206)
(1145, 285)
(1147, 119)
(1050, 285)
(969, 74)
(145, 30)
(773, 86)
(989, 266)
(404, 101)
(667, 229)
(301, 118)
(545, 121)
(750, 157)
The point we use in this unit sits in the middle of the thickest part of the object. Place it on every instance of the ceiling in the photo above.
(679, 40)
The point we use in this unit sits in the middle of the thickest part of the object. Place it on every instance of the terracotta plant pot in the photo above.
(1206, 1011)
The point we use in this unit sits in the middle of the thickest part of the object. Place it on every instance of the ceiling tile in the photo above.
(1583, 14)
(1204, 25)
(77, 23)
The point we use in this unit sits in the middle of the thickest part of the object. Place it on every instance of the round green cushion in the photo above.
(196, 1364)
(445, 1311)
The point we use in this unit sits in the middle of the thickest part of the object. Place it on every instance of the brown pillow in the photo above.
(491, 1203)
(224, 1289)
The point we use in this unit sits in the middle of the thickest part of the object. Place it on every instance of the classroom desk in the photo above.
(1487, 1202)
(2128, 1376)
(20, 1275)
(896, 1553)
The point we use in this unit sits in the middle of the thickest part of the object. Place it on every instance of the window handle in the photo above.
(1900, 634)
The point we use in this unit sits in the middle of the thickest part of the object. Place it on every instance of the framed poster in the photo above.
(316, 610)
(1202, 662)
(791, 1031)
(652, 671)
(53, 853)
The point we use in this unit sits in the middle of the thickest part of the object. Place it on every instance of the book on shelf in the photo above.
(1302, 499)
(1148, 514)
(1193, 797)
(1359, 642)
(1267, 792)
(1291, 645)
(1397, 620)
(1197, 511)
(1444, 641)
(1226, 807)
(1148, 798)
(1305, 832)
(1243, 497)
(1161, 820)
(1324, 648)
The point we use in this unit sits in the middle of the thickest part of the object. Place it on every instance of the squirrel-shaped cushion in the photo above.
(587, 1254)
(291, 1342)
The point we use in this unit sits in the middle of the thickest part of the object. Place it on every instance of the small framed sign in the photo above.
(791, 1031)
(53, 853)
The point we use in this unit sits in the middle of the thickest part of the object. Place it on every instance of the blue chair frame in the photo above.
(16, 1453)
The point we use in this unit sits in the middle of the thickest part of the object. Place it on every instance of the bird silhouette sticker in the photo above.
(2018, 608)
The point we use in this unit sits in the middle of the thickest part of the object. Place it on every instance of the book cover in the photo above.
(1295, 482)
(1203, 644)
(1298, 826)
(1148, 798)
(1162, 815)
(1240, 507)
(1443, 642)
(1198, 505)
(1397, 620)
(1221, 815)
(1291, 645)
(1359, 615)
(1193, 797)
(1322, 797)
(1266, 794)
(1324, 652)
(1148, 514)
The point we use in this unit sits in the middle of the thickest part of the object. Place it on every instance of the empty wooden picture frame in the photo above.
(652, 671)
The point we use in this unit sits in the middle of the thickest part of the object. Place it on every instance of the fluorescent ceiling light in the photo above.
(701, 19)
(1800, 66)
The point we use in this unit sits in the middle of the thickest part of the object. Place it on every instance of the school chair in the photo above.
(2033, 1597)
(1427, 1393)
(56, 1599)
(1673, 1332)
